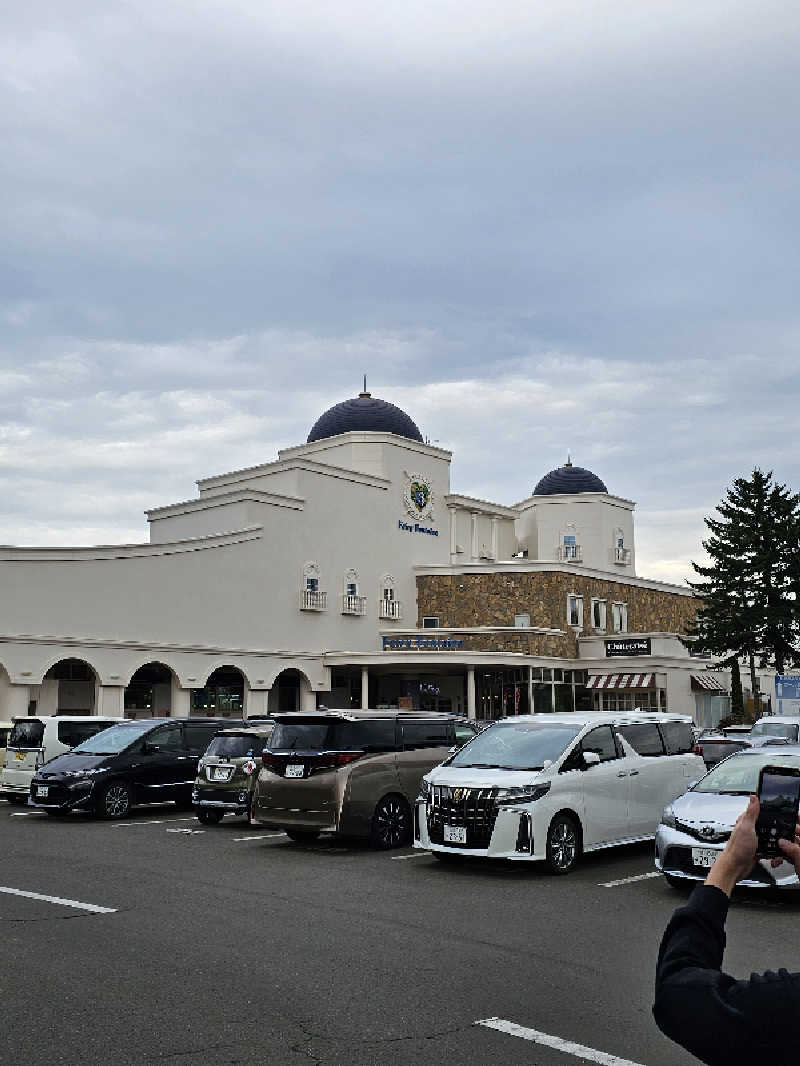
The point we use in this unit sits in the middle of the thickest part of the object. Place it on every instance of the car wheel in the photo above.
(114, 800)
(391, 824)
(302, 836)
(206, 817)
(444, 856)
(56, 812)
(563, 844)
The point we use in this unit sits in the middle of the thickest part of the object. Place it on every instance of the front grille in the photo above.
(56, 795)
(473, 808)
(715, 837)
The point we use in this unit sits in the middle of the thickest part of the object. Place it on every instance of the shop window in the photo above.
(599, 615)
(575, 611)
(619, 617)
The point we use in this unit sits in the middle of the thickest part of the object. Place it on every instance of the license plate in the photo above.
(704, 857)
(455, 834)
(19, 755)
(42, 790)
(295, 770)
(219, 774)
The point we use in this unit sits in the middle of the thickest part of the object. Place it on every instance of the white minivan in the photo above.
(551, 786)
(34, 741)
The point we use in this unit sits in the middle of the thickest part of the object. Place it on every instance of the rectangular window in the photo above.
(570, 546)
(599, 614)
(430, 623)
(645, 739)
(312, 584)
(575, 611)
(427, 734)
(352, 588)
(388, 593)
(677, 736)
(619, 617)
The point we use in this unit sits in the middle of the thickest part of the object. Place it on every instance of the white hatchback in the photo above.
(547, 787)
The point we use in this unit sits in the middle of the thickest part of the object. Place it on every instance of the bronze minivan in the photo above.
(353, 773)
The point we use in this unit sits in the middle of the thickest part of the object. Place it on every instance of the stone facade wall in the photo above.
(494, 599)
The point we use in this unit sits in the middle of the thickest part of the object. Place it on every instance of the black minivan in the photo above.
(135, 762)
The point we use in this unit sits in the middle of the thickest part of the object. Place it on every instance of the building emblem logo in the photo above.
(418, 496)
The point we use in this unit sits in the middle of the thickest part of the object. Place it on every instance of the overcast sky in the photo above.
(538, 228)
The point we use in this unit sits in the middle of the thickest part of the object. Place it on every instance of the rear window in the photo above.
(678, 737)
(27, 733)
(765, 728)
(334, 736)
(72, 733)
(237, 747)
(644, 738)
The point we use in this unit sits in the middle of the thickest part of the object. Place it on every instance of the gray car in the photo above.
(695, 827)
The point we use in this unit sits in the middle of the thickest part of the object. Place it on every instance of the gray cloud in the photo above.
(537, 227)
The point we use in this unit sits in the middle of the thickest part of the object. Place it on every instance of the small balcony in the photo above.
(570, 553)
(622, 556)
(356, 605)
(392, 609)
(312, 600)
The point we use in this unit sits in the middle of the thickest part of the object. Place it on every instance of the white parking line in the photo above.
(629, 880)
(580, 1051)
(157, 821)
(187, 831)
(61, 902)
(269, 836)
(26, 814)
(416, 855)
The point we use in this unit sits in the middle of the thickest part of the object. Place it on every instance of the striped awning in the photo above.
(609, 681)
(707, 683)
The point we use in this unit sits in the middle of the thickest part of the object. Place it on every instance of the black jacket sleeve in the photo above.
(722, 1021)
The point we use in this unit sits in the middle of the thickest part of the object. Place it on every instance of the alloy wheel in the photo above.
(563, 845)
(391, 823)
(116, 802)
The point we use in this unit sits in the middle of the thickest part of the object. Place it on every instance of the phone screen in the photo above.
(778, 795)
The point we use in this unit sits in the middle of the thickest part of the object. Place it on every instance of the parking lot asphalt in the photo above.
(158, 940)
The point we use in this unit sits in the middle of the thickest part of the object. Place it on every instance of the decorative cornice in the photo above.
(470, 503)
(222, 499)
(209, 486)
(107, 552)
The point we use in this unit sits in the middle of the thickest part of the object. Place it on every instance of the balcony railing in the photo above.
(391, 609)
(622, 556)
(354, 604)
(313, 601)
(570, 553)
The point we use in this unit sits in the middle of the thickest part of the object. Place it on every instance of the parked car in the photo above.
(353, 773)
(33, 741)
(227, 772)
(130, 763)
(784, 726)
(713, 745)
(548, 787)
(695, 827)
(5, 729)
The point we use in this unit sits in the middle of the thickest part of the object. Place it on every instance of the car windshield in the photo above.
(114, 739)
(237, 746)
(517, 746)
(738, 775)
(27, 733)
(765, 728)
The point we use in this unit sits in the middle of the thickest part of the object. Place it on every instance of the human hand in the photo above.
(791, 849)
(739, 856)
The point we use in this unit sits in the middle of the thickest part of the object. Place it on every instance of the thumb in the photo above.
(750, 813)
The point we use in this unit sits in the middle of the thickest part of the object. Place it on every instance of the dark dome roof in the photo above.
(568, 479)
(364, 412)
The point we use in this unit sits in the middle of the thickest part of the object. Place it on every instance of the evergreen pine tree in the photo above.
(750, 595)
(737, 699)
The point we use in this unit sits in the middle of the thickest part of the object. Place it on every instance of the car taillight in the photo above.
(343, 758)
(272, 762)
(698, 749)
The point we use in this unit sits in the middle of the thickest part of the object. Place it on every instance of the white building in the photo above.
(295, 584)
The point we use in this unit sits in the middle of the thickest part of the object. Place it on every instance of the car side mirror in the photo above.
(150, 749)
(590, 758)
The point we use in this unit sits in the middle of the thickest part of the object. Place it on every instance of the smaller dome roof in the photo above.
(364, 413)
(569, 479)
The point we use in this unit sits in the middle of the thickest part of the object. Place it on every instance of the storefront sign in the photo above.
(787, 693)
(416, 528)
(631, 646)
(421, 644)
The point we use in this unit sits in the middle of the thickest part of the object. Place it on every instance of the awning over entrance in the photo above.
(707, 683)
(609, 681)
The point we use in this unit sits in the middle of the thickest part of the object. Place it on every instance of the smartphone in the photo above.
(779, 798)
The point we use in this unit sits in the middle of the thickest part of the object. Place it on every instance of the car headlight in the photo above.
(424, 789)
(83, 773)
(522, 793)
(668, 817)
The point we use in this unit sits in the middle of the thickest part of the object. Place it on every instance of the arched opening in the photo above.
(222, 696)
(285, 694)
(68, 687)
(149, 692)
